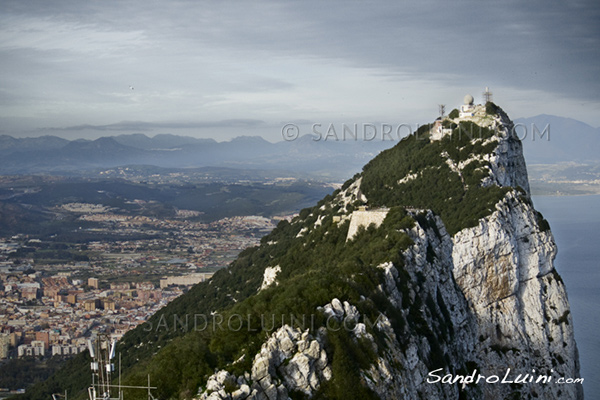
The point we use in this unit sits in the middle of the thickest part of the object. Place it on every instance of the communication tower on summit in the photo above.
(442, 108)
(487, 95)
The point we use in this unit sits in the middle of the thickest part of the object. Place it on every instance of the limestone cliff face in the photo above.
(485, 301)
(504, 268)
(506, 161)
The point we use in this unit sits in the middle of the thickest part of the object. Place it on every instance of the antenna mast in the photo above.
(102, 353)
(487, 95)
(442, 109)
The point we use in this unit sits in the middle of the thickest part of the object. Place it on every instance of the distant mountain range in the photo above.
(570, 141)
(49, 154)
(548, 139)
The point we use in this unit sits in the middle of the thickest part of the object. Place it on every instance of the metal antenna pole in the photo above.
(487, 95)
(120, 393)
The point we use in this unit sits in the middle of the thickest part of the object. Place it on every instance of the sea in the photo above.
(575, 224)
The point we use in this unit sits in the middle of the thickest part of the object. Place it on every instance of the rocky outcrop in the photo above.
(290, 360)
(507, 161)
(485, 302)
(269, 276)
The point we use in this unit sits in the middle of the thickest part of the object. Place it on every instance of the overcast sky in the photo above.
(224, 69)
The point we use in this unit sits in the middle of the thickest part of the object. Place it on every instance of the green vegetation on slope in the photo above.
(314, 269)
(20, 372)
(456, 195)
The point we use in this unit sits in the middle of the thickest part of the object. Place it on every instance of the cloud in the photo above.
(136, 126)
(46, 35)
(70, 63)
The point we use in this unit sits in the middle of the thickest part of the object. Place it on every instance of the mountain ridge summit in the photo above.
(451, 278)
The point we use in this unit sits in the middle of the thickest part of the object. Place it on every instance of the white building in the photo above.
(185, 280)
(439, 131)
(67, 349)
(36, 348)
(467, 109)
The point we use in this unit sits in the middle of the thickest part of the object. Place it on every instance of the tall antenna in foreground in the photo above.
(487, 95)
(102, 351)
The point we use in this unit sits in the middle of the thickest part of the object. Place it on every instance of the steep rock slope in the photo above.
(486, 301)
(454, 277)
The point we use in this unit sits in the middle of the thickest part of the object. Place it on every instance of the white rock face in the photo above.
(269, 276)
(507, 306)
(351, 194)
(507, 161)
(391, 277)
(504, 268)
(290, 359)
(401, 370)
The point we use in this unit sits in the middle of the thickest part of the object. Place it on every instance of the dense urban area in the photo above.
(54, 296)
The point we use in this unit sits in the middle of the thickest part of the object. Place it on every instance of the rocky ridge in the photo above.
(485, 300)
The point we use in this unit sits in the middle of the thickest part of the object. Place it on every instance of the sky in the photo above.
(85, 69)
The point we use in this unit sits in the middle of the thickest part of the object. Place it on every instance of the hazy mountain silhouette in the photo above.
(570, 141)
(558, 139)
